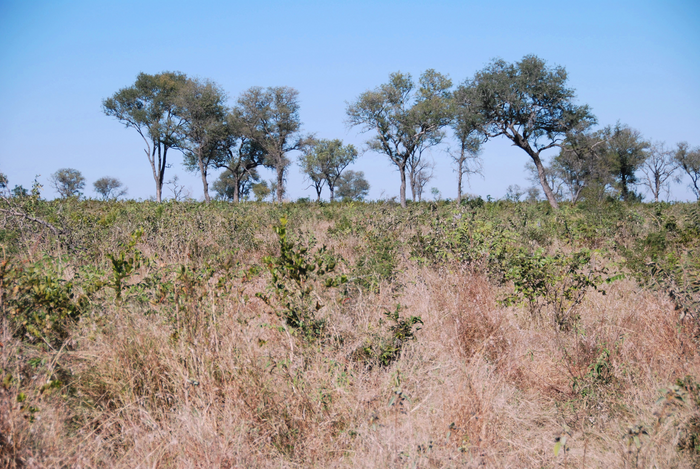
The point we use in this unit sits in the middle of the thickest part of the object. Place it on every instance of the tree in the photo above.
(261, 190)
(311, 167)
(552, 177)
(327, 159)
(109, 188)
(353, 186)
(527, 102)
(420, 172)
(201, 105)
(581, 164)
(270, 119)
(150, 107)
(241, 156)
(68, 182)
(232, 188)
(466, 127)
(405, 120)
(626, 152)
(658, 168)
(689, 160)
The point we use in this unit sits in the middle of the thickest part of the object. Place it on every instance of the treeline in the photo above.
(527, 102)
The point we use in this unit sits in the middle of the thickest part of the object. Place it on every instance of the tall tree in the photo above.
(689, 160)
(203, 111)
(150, 107)
(527, 102)
(658, 168)
(68, 182)
(405, 119)
(270, 119)
(626, 152)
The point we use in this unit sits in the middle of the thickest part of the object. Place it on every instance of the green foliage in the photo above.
(68, 182)
(294, 274)
(384, 349)
(125, 264)
(559, 282)
(39, 304)
(352, 185)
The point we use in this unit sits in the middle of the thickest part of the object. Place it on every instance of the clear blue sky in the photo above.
(633, 61)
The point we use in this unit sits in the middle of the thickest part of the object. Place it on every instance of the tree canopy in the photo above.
(405, 119)
(150, 106)
(527, 102)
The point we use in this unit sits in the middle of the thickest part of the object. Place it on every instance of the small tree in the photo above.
(625, 153)
(261, 191)
(419, 175)
(242, 155)
(231, 188)
(353, 185)
(466, 124)
(689, 160)
(581, 164)
(68, 182)
(658, 168)
(327, 159)
(311, 167)
(109, 188)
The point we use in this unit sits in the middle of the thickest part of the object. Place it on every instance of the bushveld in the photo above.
(491, 334)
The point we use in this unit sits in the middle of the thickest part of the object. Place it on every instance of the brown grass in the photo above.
(482, 386)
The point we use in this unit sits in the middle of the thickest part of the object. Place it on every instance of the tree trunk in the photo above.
(332, 189)
(402, 192)
(543, 181)
(237, 189)
(280, 183)
(203, 172)
(460, 165)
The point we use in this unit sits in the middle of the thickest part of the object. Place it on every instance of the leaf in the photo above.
(637, 443)
(557, 447)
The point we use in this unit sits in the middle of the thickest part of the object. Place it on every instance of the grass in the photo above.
(188, 351)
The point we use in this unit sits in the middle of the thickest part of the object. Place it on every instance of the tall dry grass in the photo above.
(483, 385)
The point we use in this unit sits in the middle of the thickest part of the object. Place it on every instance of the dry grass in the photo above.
(481, 386)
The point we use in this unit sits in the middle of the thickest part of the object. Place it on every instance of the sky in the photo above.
(636, 62)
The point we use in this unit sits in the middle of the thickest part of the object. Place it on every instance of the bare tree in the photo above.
(420, 172)
(658, 168)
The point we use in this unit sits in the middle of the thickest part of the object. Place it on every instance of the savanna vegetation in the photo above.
(480, 334)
